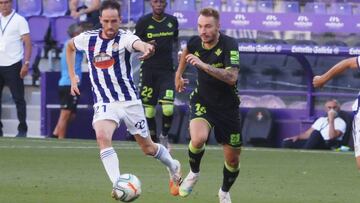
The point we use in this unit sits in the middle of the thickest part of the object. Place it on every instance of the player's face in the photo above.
(5, 7)
(331, 105)
(110, 21)
(158, 6)
(208, 28)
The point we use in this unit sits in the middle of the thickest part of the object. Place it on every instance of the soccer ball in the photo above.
(127, 188)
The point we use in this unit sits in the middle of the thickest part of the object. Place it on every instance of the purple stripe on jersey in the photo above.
(92, 42)
(128, 72)
(107, 76)
(118, 74)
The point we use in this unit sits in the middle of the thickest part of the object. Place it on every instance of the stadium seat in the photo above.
(257, 128)
(298, 105)
(184, 5)
(235, 6)
(272, 102)
(59, 29)
(348, 118)
(340, 8)
(265, 6)
(216, 4)
(29, 8)
(315, 7)
(55, 8)
(136, 10)
(289, 7)
(14, 5)
(248, 101)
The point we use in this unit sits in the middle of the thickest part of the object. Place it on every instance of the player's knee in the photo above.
(150, 111)
(233, 163)
(168, 109)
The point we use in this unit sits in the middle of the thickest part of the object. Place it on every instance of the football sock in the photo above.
(164, 156)
(110, 161)
(152, 128)
(195, 156)
(230, 174)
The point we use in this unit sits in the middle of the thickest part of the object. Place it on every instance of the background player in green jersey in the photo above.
(214, 102)
(157, 72)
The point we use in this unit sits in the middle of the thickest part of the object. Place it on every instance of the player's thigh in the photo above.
(227, 127)
(108, 112)
(104, 129)
(135, 120)
(148, 91)
(166, 87)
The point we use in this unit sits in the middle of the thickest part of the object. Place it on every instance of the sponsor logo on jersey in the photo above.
(218, 52)
(103, 61)
(234, 57)
(197, 54)
(151, 27)
(160, 34)
(170, 25)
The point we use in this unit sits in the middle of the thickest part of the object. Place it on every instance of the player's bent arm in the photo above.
(27, 44)
(228, 75)
(70, 60)
(179, 80)
(305, 135)
(147, 49)
(335, 70)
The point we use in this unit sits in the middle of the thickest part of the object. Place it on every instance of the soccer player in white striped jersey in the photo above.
(115, 96)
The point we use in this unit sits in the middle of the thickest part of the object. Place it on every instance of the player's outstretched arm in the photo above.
(179, 80)
(147, 49)
(228, 75)
(70, 60)
(320, 80)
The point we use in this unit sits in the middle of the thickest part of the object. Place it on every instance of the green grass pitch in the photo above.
(70, 171)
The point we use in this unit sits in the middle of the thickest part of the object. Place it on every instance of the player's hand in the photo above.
(74, 90)
(24, 71)
(331, 114)
(180, 83)
(153, 42)
(293, 139)
(318, 81)
(148, 51)
(195, 61)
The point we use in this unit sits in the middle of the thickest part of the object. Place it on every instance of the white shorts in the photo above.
(356, 134)
(131, 112)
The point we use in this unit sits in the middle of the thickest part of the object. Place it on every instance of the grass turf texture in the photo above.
(52, 171)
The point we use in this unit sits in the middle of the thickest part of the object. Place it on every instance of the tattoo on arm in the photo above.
(228, 76)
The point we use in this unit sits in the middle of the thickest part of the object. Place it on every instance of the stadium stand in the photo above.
(55, 8)
(216, 4)
(235, 6)
(315, 7)
(29, 8)
(136, 8)
(14, 5)
(340, 8)
(59, 29)
(289, 7)
(186, 5)
(265, 6)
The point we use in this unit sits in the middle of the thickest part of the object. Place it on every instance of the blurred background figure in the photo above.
(14, 36)
(68, 102)
(85, 10)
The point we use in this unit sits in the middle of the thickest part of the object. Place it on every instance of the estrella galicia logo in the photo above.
(140, 125)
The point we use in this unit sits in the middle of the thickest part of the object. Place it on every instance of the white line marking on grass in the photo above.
(133, 146)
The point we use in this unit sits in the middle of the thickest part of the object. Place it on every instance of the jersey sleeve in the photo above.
(23, 26)
(129, 40)
(80, 42)
(176, 31)
(231, 54)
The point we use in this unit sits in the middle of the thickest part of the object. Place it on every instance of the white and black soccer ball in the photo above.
(127, 188)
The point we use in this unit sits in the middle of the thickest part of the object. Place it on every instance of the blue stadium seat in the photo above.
(136, 10)
(216, 4)
(59, 29)
(184, 5)
(55, 8)
(340, 8)
(265, 6)
(315, 7)
(289, 7)
(29, 8)
(235, 6)
(14, 5)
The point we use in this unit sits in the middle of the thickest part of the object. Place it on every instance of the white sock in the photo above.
(164, 156)
(110, 161)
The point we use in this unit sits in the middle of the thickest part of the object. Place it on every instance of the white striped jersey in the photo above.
(109, 65)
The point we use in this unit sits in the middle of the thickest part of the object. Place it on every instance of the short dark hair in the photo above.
(210, 12)
(112, 4)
